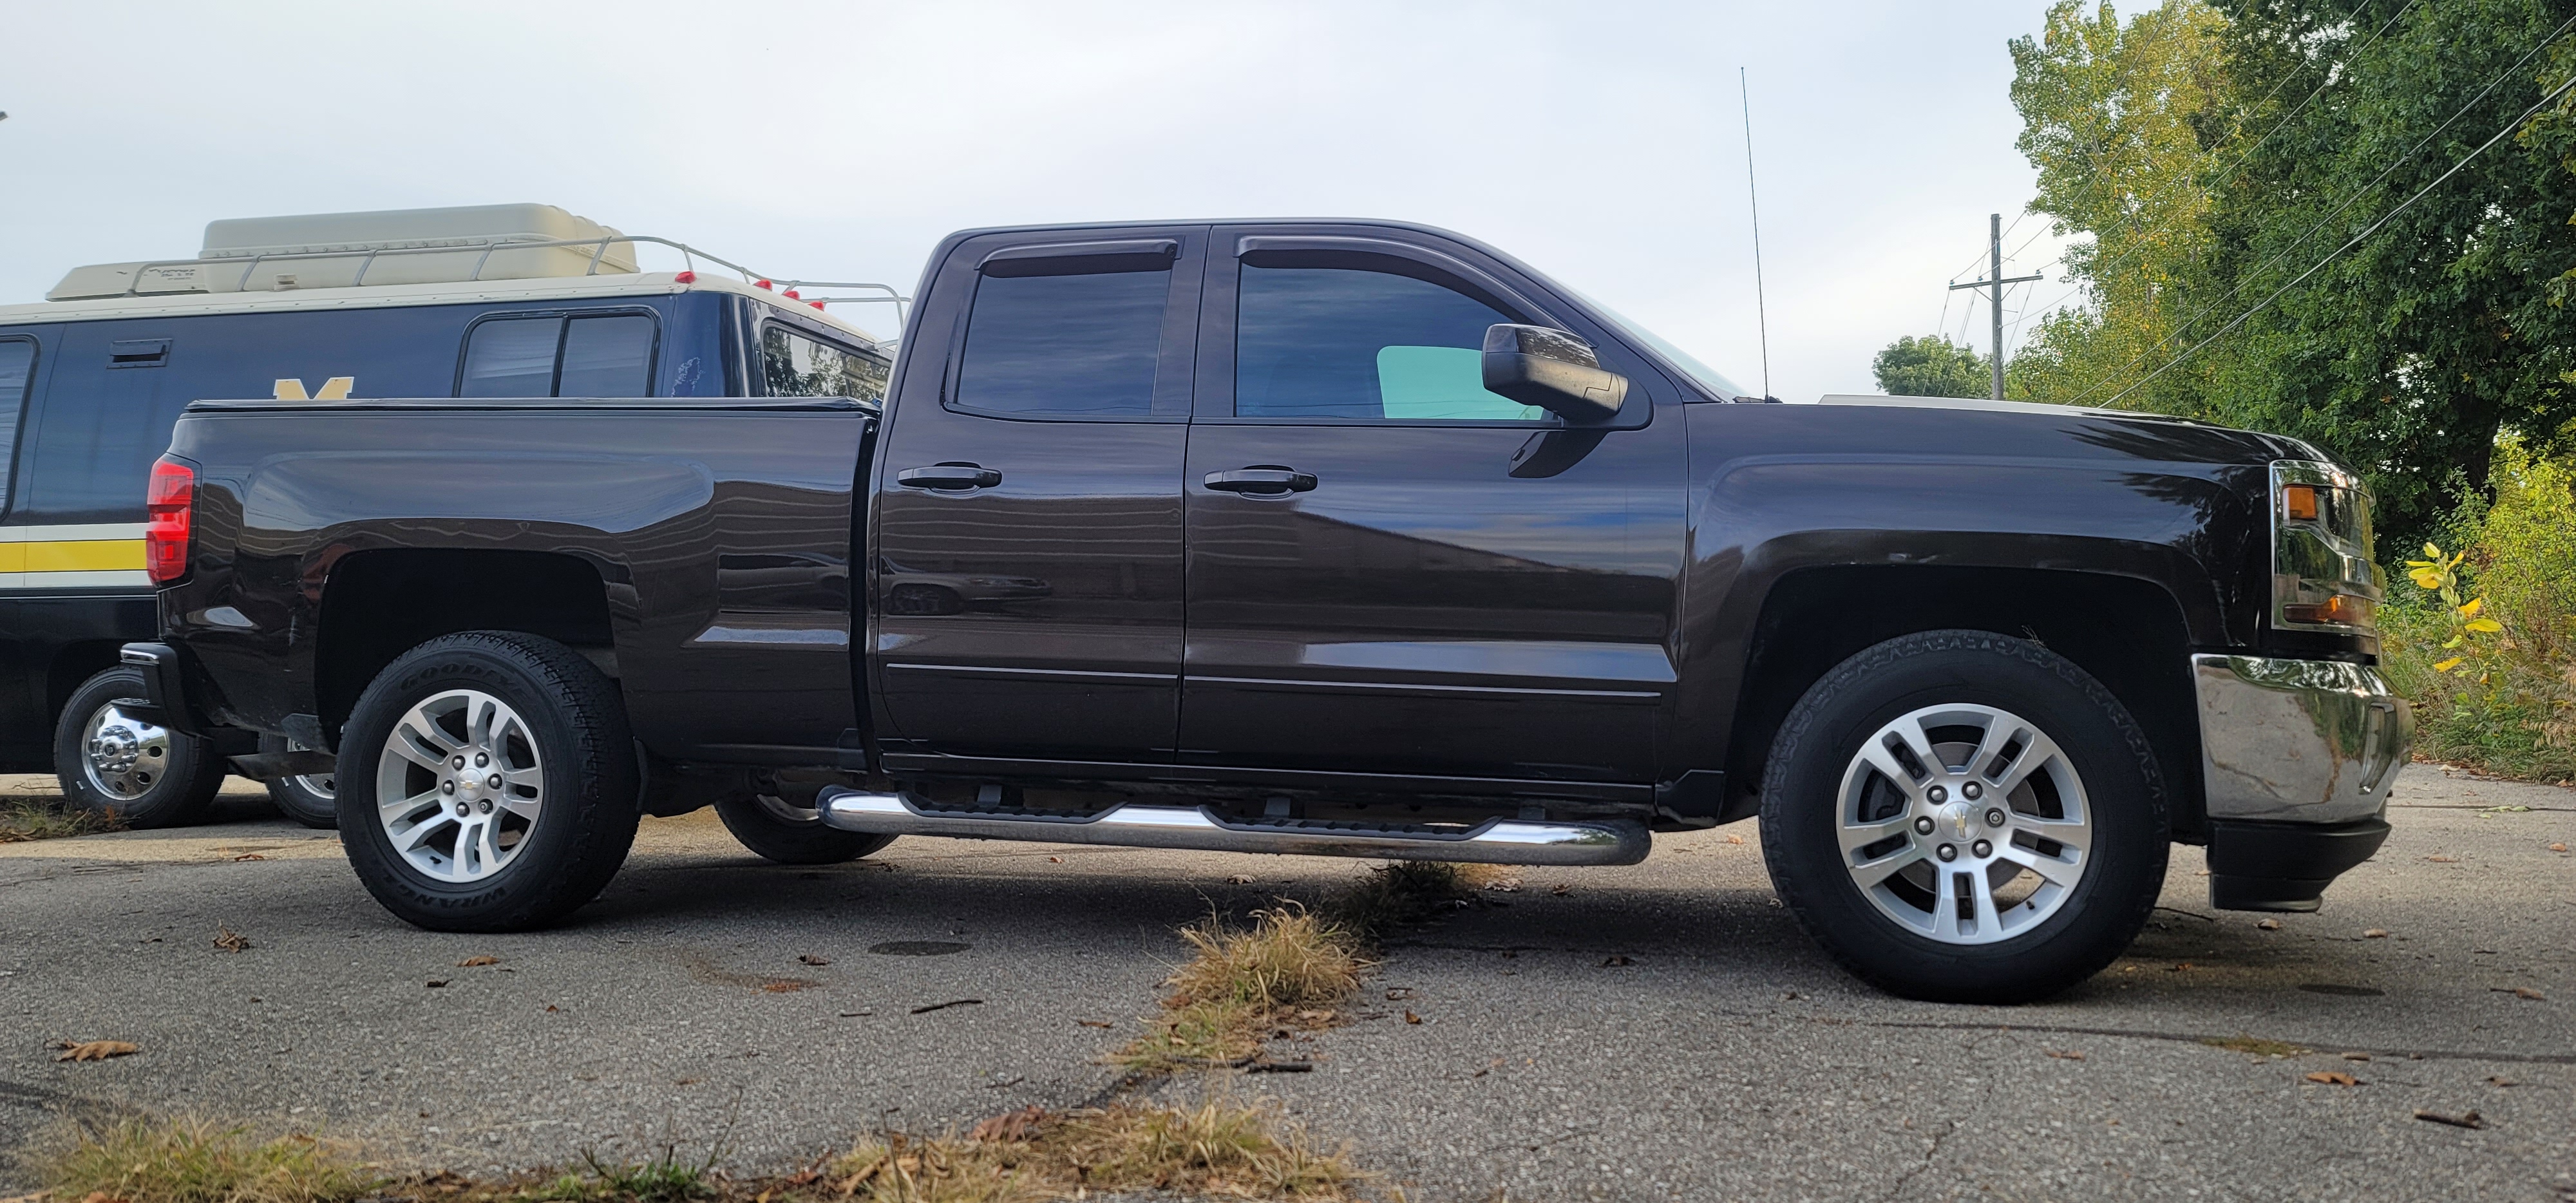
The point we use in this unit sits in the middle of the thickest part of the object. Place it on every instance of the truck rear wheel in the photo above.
(112, 763)
(311, 800)
(1960, 816)
(491, 785)
(784, 826)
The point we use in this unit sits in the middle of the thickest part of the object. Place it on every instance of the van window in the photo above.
(17, 365)
(607, 356)
(793, 365)
(513, 357)
(585, 355)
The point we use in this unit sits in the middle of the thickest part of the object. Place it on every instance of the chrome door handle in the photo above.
(1261, 480)
(950, 476)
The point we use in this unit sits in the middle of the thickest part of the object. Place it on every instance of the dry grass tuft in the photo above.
(1412, 891)
(1287, 970)
(1216, 1148)
(191, 1161)
(45, 818)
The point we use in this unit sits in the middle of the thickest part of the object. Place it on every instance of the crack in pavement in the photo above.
(2191, 1038)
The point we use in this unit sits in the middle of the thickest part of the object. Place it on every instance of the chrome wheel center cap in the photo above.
(1956, 819)
(116, 749)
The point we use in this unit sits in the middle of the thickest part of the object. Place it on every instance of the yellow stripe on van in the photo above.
(72, 555)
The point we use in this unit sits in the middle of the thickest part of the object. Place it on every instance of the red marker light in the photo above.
(760, 283)
(816, 304)
(168, 503)
(790, 294)
(685, 278)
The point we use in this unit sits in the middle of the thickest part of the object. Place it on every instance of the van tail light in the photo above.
(168, 506)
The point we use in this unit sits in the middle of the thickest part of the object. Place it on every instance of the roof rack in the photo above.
(600, 247)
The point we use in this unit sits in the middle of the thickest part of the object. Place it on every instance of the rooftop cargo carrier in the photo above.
(343, 250)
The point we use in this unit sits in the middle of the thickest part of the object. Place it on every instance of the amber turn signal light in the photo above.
(2343, 608)
(2299, 502)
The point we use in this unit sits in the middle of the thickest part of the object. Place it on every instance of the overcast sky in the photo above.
(1600, 142)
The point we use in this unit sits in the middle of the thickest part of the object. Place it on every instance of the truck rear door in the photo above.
(1028, 531)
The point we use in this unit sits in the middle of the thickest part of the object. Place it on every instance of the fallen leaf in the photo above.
(2330, 1078)
(477, 962)
(1095, 1023)
(2519, 992)
(688, 1081)
(1314, 1016)
(2502, 1082)
(811, 959)
(552, 1007)
(94, 1050)
(2443, 860)
(1611, 961)
(2181, 968)
(1238, 880)
(2376, 933)
(1562, 890)
(230, 940)
(1735, 839)
(2466, 1119)
(2356, 1056)
(2064, 1054)
(2558, 847)
(1399, 994)
(250, 856)
(1010, 1126)
(1055, 860)
(1410, 1017)
(2269, 924)
(435, 985)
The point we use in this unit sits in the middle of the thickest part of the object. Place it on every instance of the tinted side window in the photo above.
(607, 356)
(793, 365)
(17, 365)
(1343, 343)
(511, 357)
(1065, 346)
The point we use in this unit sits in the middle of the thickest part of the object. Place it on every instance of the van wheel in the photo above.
(492, 783)
(784, 826)
(307, 800)
(1958, 816)
(112, 763)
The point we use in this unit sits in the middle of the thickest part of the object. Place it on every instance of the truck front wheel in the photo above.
(1960, 816)
(490, 783)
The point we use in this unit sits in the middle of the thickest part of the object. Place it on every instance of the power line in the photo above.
(2139, 243)
(2357, 239)
(2337, 211)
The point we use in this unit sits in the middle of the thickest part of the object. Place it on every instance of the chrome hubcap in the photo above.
(123, 756)
(459, 785)
(1963, 823)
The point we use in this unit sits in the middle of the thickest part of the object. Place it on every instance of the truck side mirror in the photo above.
(1553, 370)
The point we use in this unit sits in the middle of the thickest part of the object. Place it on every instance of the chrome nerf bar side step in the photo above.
(1493, 842)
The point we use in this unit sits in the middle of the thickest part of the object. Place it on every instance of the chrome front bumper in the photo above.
(2297, 741)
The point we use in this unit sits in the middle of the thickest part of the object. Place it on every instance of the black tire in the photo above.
(168, 780)
(784, 827)
(2092, 922)
(572, 723)
(312, 800)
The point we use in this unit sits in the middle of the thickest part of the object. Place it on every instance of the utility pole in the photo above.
(1995, 282)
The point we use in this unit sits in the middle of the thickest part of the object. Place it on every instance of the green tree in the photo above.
(1932, 367)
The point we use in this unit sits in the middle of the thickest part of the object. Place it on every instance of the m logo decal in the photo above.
(335, 389)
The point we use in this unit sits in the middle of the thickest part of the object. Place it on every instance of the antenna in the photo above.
(1761, 309)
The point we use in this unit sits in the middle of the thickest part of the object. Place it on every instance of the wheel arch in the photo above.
(378, 604)
(2129, 632)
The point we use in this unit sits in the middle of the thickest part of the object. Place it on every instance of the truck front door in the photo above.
(1028, 527)
(1393, 571)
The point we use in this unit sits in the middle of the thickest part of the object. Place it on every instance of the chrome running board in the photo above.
(1493, 842)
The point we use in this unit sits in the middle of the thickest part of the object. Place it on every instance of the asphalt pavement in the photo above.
(1661, 1031)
